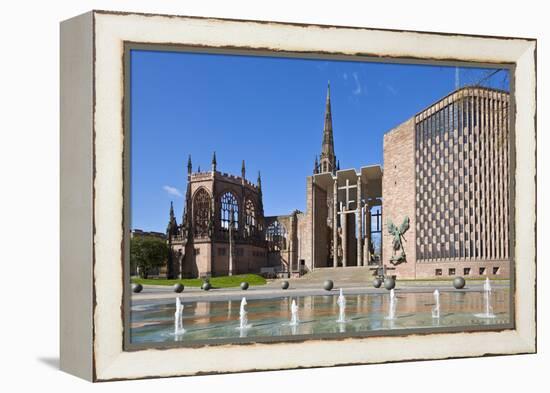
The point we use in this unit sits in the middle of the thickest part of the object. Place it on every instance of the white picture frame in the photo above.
(92, 192)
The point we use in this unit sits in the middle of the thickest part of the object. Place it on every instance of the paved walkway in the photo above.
(353, 280)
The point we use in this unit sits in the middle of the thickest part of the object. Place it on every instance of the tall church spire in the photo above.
(327, 163)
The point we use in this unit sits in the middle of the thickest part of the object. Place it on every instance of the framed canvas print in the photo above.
(245, 195)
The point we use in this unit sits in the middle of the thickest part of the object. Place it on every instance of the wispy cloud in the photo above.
(357, 91)
(392, 89)
(321, 65)
(173, 191)
(389, 88)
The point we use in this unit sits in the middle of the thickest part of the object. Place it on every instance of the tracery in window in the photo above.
(229, 205)
(275, 235)
(201, 213)
(250, 218)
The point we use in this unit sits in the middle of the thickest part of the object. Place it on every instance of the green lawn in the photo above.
(217, 282)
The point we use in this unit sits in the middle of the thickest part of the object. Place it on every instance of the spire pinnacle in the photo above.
(327, 162)
(189, 165)
(172, 223)
(243, 170)
(316, 166)
(259, 182)
(214, 163)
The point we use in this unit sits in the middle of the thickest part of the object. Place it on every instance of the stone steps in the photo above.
(352, 273)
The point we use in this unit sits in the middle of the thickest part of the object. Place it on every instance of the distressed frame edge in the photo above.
(524, 193)
(530, 339)
(76, 196)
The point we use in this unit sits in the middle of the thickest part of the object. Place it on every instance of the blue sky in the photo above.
(268, 111)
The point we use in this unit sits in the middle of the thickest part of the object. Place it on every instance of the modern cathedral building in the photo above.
(445, 179)
(447, 169)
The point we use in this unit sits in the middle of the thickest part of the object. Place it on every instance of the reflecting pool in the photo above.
(153, 321)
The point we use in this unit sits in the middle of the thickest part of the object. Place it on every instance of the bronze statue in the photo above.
(397, 242)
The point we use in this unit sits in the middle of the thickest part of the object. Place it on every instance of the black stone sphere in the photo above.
(178, 287)
(377, 283)
(285, 284)
(459, 282)
(206, 286)
(137, 288)
(389, 283)
(328, 285)
(244, 285)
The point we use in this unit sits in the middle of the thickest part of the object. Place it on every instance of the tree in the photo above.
(147, 253)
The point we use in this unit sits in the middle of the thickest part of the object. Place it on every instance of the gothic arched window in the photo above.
(201, 213)
(275, 234)
(250, 218)
(229, 205)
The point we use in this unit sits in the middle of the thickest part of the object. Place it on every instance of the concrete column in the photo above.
(344, 218)
(368, 238)
(335, 223)
(359, 224)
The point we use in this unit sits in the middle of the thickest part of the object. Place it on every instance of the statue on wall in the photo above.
(397, 241)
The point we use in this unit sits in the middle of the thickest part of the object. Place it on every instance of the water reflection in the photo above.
(317, 315)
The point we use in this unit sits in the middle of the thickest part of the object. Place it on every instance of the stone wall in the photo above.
(398, 194)
(246, 259)
(321, 236)
(207, 254)
(306, 227)
(464, 268)
(285, 259)
(301, 227)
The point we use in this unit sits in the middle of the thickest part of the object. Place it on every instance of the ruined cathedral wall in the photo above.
(201, 259)
(312, 227)
(306, 228)
(301, 226)
(205, 256)
(198, 252)
(321, 236)
(398, 194)
(247, 258)
(283, 258)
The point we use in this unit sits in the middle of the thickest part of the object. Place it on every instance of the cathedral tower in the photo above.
(327, 161)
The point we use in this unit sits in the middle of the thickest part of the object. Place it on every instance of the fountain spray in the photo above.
(243, 315)
(393, 306)
(435, 310)
(487, 297)
(294, 311)
(178, 318)
(342, 306)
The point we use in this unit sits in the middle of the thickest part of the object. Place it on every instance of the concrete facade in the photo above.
(447, 170)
